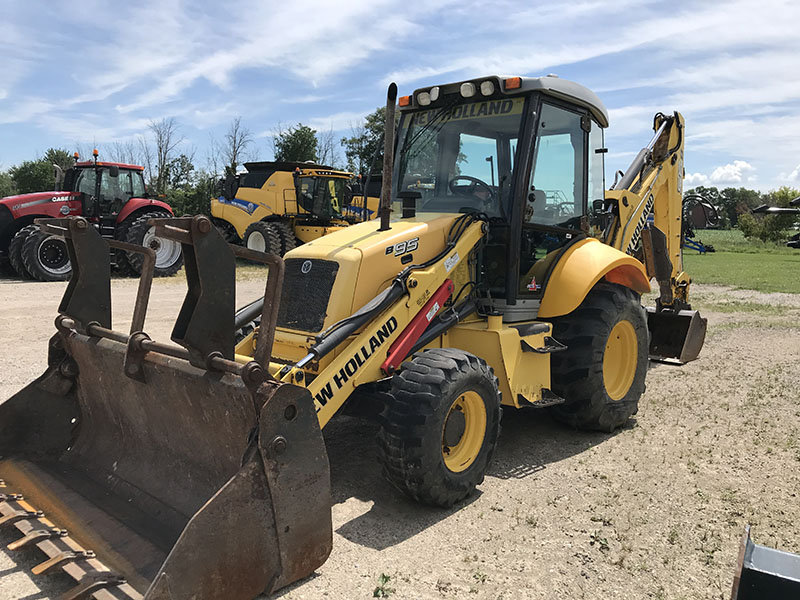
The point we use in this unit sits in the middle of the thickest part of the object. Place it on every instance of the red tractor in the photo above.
(111, 196)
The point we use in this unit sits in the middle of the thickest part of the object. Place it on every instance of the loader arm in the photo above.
(363, 357)
(644, 217)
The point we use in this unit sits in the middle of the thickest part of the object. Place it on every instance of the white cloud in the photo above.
(695, 179)
(794, 175)
(736, 172)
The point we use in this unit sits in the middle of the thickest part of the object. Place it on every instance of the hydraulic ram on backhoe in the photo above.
(644, 211)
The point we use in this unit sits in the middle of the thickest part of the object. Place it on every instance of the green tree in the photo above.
(296, 144)
(360, 148)
(7, 186)
(60, 157)
(738, 201)
(194, 199)
(39, 175)
(770, 228)
(180, 172)
(33, 176)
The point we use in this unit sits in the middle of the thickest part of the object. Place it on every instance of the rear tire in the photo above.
(288, 241)
(441, 426)
(169, 257)
(601, 375)
(226, 230)
(263, 237)
(15, 251)
(121, 263)
(45, 256)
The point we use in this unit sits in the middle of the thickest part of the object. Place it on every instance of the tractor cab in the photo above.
(525, 152)
(324, 194)
(105, 188)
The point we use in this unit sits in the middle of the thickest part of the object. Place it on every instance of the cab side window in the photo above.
(557, 193)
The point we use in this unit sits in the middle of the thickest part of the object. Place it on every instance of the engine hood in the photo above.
(21, 201)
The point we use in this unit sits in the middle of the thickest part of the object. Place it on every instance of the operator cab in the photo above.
(104, 188)
(525, 152)
(324, 197)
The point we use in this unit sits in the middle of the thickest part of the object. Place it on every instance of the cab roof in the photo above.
(88, 163)
(550, 85)
(305, 167)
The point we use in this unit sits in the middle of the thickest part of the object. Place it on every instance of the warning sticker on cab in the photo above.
(451, 262)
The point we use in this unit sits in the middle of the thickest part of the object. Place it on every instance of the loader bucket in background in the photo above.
(148, 470)
(675, 336)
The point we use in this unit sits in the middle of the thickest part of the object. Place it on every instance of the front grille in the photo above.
(307, 286)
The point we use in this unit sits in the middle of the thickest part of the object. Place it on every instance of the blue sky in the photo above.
(79, 74)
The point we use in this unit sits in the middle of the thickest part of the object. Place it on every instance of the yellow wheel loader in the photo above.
(197, 469)
(275, 204)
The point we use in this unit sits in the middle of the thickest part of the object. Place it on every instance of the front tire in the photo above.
(263, 237)
(441, 426)
(15, 251)
(286, 233)
(601, 375)
(45, 256)
(169, 257)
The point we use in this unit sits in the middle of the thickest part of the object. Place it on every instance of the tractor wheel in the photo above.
(601, 374)
(263, 237)
(123, 267)
(226, 230)
(45, 256)
(168, 252)
(286, 233)
(441, 426)
(15, 251)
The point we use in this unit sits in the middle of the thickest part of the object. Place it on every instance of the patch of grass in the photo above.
(743, 263)
(762, 272)
(736, 306)
(732, 240)
(479, 577)
(383, 590)
(672, 538)
(601, 542)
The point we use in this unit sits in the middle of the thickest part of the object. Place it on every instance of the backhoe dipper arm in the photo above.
(360, 359)
(653, 186)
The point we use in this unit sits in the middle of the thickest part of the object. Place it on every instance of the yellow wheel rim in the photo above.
(619, 360)
(463, 432)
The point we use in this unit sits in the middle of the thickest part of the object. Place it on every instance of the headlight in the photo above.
(434, 93)
(487, 88)
(468, 89)
(424, 98)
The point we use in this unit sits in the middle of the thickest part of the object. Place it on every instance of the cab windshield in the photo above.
(460, 157)
(324, 197)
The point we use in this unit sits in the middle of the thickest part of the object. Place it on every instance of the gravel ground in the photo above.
(655, 510)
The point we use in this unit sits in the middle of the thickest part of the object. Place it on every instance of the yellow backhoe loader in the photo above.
(198, 470)
(275, 204)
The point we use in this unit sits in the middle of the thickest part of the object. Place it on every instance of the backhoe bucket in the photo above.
(675, 335)
(148, 470)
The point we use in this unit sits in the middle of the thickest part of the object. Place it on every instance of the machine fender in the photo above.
(580, 267)
(136, 204)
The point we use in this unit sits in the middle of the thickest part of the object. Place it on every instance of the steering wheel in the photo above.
(469, 190)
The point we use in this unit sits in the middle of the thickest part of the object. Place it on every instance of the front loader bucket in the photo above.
(675, 335)
(147, 470)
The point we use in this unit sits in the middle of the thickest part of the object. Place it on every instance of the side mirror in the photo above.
(113, 171)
